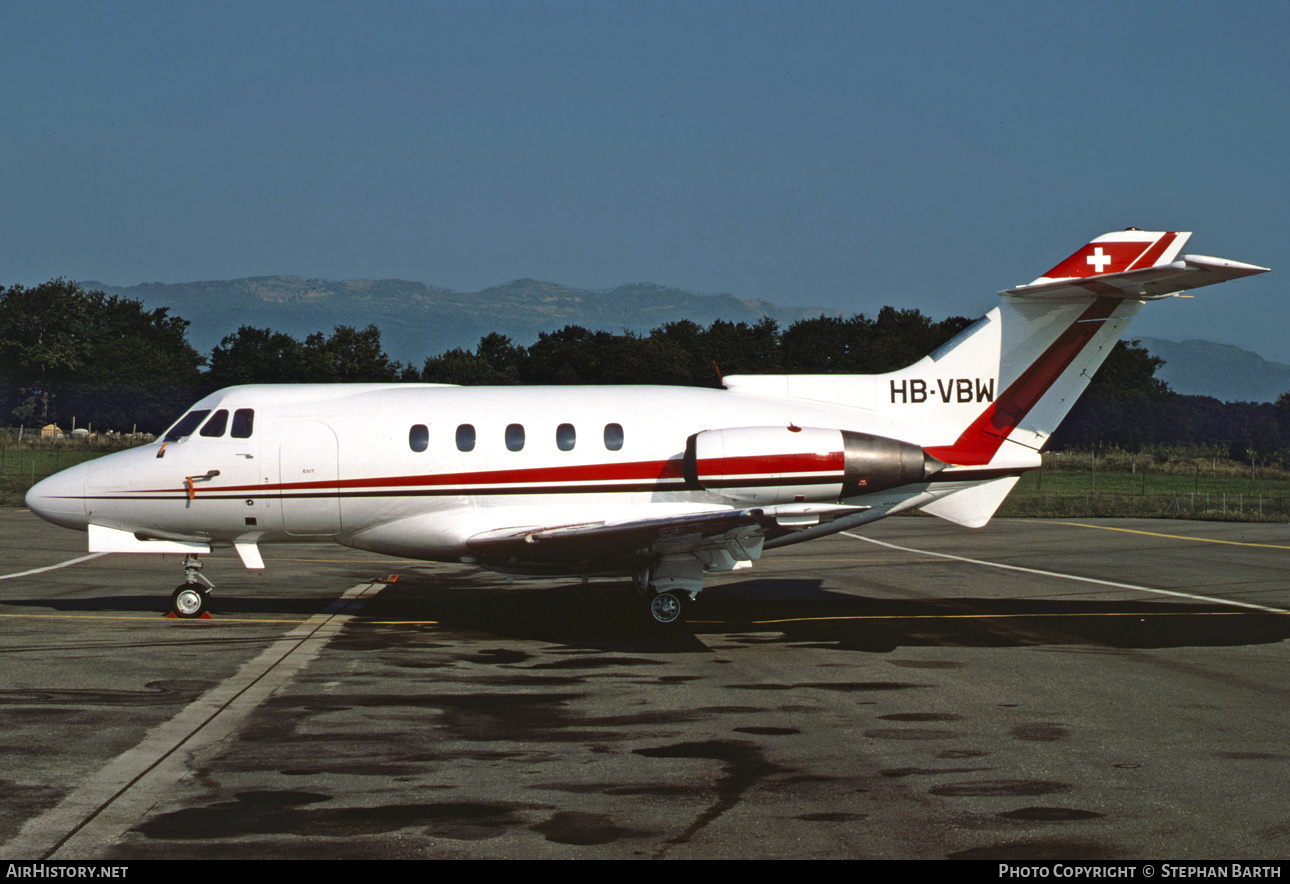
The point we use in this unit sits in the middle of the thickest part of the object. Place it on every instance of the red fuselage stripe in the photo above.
(648, 472)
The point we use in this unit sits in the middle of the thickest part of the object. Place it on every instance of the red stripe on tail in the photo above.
(978, 444)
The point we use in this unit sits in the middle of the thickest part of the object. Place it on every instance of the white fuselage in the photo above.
(382, 467)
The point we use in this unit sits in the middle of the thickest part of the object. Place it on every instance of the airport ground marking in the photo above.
(857, 617)
(1175, 536)
(52, 567)
(158, 618)
(1111, 583)
(96, 814)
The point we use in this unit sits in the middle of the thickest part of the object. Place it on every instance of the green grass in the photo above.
(1193, 489)
(21, 466)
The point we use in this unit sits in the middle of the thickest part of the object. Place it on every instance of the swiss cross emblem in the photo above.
(1098, 260)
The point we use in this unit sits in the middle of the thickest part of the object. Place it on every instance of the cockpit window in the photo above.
(217, 424)
(186, 425)
(243, 423)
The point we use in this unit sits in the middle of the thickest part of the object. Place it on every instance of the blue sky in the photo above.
(840, 154)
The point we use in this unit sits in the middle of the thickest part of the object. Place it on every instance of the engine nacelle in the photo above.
(769, 465)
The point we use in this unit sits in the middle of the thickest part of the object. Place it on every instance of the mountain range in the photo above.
(419, 320)
(1224, 371)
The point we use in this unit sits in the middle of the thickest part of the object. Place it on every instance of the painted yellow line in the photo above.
(215, 620)
(1174, 536)
(1138, 614)
(359, 621)
(152, 618)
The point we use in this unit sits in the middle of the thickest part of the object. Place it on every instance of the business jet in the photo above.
(659, 484)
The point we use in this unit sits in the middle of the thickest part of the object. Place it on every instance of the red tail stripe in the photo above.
(978, 444)
(1152, 255)
(1117, 256)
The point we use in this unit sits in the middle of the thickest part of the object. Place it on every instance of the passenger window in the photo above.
(514, 437)
(186, 425)
(565, 437)
(466, 438)
(217, 424)
(614, 437)
(243, 423)
(419, 437)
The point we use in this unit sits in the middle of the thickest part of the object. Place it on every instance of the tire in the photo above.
(189, 601)
(665, 609)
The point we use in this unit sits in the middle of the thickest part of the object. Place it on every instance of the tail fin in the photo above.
(1130, 249)
(993, 395)
(1054, 334)
(1012, 376)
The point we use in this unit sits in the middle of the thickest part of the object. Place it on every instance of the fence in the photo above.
(1167, 505)
(27, 458)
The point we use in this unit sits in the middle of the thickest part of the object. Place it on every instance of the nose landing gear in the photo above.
(192, 598)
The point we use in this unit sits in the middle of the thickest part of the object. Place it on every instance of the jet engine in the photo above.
(770, 465)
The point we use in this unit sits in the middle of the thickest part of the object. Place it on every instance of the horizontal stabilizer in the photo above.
(972, 507)
(1146, 284)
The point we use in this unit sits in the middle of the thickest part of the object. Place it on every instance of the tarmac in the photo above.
(1084, 689)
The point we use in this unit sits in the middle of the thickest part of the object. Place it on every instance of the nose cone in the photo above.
(61, 498)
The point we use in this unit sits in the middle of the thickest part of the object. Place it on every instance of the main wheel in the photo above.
(666, 609)
(189, 601)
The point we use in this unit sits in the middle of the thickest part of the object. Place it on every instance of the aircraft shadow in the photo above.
(608, 615)
(800, 611)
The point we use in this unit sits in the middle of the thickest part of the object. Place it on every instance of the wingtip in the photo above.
(1205, 262)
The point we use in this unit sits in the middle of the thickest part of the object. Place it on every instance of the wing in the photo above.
(720, 538)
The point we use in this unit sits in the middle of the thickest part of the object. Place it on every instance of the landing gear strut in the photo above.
(192, 598)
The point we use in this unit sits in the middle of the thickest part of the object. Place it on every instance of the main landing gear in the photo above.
(668, 588)
(667, 608)
(192, 598)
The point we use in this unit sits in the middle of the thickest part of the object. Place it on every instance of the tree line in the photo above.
(109, 362)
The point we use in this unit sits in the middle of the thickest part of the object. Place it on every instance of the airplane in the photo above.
(657, 484)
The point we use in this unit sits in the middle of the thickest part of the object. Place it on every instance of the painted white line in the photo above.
(52, 567)
(97, 814)
(1094, 580)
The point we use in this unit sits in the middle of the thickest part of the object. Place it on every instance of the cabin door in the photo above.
(309, 469)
